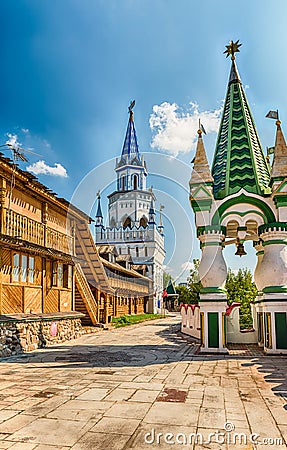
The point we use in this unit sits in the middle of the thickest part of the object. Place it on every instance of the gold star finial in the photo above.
(232, 48)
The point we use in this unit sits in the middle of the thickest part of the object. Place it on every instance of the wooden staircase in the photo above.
(89, 271)
(84, 299)
(93, 268)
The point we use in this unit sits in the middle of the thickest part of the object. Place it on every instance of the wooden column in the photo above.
(44, 283)
(44, 221)
(2, 204)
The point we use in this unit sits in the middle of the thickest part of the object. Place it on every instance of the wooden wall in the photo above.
(38, 297)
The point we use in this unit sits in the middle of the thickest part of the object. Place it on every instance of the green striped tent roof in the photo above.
(239, 161)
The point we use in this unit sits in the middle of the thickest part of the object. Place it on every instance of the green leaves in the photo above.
(241, 288)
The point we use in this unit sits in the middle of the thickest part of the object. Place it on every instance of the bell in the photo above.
(240, 250)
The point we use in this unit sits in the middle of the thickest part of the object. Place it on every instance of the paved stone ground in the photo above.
(110, 390)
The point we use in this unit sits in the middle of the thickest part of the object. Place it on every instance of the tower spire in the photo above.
(201, 171)
(130, 147)
(279, 165)
(239, 161)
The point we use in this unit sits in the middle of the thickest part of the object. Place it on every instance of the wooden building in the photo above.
(48, 260)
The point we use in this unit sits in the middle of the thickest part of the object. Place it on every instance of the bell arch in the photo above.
(127, 223)
(143, 222)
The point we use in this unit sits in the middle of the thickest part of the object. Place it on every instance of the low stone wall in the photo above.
(24, 333)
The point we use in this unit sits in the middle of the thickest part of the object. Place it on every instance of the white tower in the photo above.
(132, 226)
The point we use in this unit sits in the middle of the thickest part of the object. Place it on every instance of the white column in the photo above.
(213, 273)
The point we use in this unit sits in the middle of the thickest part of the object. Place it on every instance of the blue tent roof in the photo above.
(131, 144)
(99, 210)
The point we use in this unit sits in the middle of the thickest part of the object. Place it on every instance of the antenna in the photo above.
(18, 153)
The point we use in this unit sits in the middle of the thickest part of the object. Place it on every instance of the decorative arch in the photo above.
(143, 222)
(266, 210)
(135, 182)
(122, 182)
(127, 223)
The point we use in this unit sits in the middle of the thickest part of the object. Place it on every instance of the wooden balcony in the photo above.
(133, 286)
(22, 227)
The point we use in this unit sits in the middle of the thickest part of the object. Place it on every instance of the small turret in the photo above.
(279, 165)
(151, 215)
(99, 214)
(201, 171)
(160, 226)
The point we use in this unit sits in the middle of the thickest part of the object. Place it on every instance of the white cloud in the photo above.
(175, 128)
(25, 130)
(13, 140)
(40, 167)
(167, 269)
(188, 265)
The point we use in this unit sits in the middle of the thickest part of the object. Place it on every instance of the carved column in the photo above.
(213, 273)
(44, 221)
(272, 279)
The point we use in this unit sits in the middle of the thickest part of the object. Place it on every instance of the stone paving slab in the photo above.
(110, 389)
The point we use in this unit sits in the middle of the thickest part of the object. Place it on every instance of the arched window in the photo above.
(135, 182)
(113, 222)
(123, 183)
(143, 222)
(127, 223)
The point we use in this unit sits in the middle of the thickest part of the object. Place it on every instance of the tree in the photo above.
(166, 279)
(193, 282)
(184, 294)
(240, 288)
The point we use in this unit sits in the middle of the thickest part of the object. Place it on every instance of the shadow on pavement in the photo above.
(177, 347)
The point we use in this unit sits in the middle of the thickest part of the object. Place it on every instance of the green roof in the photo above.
(239, 161)
(171, 289)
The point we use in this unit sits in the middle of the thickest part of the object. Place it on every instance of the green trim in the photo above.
(275, 241)
(201, 187)
(280, 200)
(281, 186)
(213, 329)
(281, 330)
(274, 289)
(242, 198)
(272, 300)
(241, 228)
(210, 229)
(260, 252)
(206, 183)
(212, 290)
(212, 244)
(201, 205)
(229, 137)
(272, 226)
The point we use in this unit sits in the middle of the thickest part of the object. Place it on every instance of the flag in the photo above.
(273, 115)
(270, 150)
(202, 128)
(164, 294)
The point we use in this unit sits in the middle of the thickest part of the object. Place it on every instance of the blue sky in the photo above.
(69, 69)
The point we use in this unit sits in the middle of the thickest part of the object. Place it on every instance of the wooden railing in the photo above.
(86, 293)
(130, 285)
(59, 241)
(22, 227)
